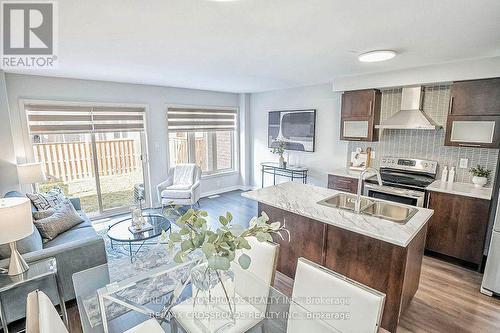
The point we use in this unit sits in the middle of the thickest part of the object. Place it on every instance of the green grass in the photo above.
(109, 200)
(88, 201)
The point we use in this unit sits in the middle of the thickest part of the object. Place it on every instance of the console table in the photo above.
(291, 171)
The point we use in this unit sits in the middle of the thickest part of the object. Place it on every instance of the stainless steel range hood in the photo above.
(411, 115)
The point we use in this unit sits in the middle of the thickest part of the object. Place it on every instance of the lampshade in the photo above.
(31, 173)
(15, 219)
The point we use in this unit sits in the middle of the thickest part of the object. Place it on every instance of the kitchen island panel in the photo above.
(302, 232)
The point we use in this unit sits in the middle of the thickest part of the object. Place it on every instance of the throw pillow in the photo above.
(42, 214)
(47, 200)
(64, 218)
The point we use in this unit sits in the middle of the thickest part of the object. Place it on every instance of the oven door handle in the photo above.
(379, 189)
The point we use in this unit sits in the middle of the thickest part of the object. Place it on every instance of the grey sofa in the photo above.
(75, 250)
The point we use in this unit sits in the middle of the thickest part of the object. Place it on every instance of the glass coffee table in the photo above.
(119, 233)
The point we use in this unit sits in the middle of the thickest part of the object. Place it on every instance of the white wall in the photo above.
(330, 151)
(157, 98)
(8, 170)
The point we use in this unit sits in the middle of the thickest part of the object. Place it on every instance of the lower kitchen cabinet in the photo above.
(458, 226)
(344, 184)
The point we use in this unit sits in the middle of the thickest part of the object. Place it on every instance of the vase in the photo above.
(213, 298)
(282, 162)
(479, 181)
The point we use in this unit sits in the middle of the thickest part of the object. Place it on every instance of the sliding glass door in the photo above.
(95, 154)
(120, 166)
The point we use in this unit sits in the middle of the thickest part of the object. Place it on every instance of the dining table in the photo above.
(118, 306)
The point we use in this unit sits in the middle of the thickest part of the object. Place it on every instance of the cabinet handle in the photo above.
(343, 180)
(370, 108)
(450, 109)
(353, 139)
(468, 145)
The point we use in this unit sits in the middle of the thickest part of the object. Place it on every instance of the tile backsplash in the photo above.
(426, 144)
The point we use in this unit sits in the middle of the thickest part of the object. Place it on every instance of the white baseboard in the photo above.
(229, 189)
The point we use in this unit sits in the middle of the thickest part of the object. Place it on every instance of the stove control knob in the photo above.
(426, 165)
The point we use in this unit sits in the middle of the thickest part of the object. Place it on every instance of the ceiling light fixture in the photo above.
(375, 56)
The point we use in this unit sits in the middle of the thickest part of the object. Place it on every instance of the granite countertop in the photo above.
(465, 189)
(303, 199)
(346, 172)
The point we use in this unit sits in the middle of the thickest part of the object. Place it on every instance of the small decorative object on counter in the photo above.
(444, 174)
(360, 159)
(279, 149)
(479, 175)
(451, 175)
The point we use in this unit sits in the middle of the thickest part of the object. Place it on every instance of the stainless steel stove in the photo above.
(404, 180)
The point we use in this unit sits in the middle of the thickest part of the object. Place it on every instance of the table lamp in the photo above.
(15, 224)
(31, 173)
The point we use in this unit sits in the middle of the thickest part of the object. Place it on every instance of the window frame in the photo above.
(235, 142)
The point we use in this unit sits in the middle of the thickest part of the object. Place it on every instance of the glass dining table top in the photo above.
(156, 294)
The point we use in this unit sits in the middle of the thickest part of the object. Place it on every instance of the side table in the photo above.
(38, 270)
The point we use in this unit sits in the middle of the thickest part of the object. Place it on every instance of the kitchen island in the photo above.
(379, 253)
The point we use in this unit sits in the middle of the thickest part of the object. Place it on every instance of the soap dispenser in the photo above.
(444, 174)
(451, 176)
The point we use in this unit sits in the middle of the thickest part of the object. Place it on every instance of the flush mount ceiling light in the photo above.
(375, 56)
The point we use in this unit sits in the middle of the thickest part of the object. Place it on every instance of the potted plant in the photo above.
(279, 149)
(480, 175)
(216, 250)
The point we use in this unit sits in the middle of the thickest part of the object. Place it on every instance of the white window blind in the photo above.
(198, 119)
(51, 119)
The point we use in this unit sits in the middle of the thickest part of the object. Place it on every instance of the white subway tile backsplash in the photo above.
(426, 144)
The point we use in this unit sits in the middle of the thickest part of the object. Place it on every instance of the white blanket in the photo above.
(184, 174)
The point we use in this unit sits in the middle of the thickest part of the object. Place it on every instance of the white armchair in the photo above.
(182, 186)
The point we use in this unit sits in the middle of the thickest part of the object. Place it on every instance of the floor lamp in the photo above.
(16, 218)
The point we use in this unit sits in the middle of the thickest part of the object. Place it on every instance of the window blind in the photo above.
(51, 119)
(198, 119)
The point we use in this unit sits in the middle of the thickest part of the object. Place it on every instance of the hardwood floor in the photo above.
(447, 300)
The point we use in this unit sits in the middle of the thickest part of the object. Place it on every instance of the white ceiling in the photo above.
(257, 45)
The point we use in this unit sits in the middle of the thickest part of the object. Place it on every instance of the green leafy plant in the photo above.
(219, 246)
(279, 149)
(479, 171)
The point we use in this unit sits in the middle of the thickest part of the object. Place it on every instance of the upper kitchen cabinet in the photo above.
(475, 98)
(359, 115)
(474, 114)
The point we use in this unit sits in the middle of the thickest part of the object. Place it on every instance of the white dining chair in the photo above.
(323, 291)
(250, 285)
(41, 315)
(149, 326)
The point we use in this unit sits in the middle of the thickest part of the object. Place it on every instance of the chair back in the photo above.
(186, 174)
(254, 282)
(42, 316)
(264, 257)
(321, 290)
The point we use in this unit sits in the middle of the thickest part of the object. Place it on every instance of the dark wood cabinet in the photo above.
(458, 226)
(302, 232)
(474, 114)
(475, 98)
(473, 131)
(345, 184)
(359, 114)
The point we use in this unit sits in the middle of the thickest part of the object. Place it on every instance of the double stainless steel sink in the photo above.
(381, 209)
